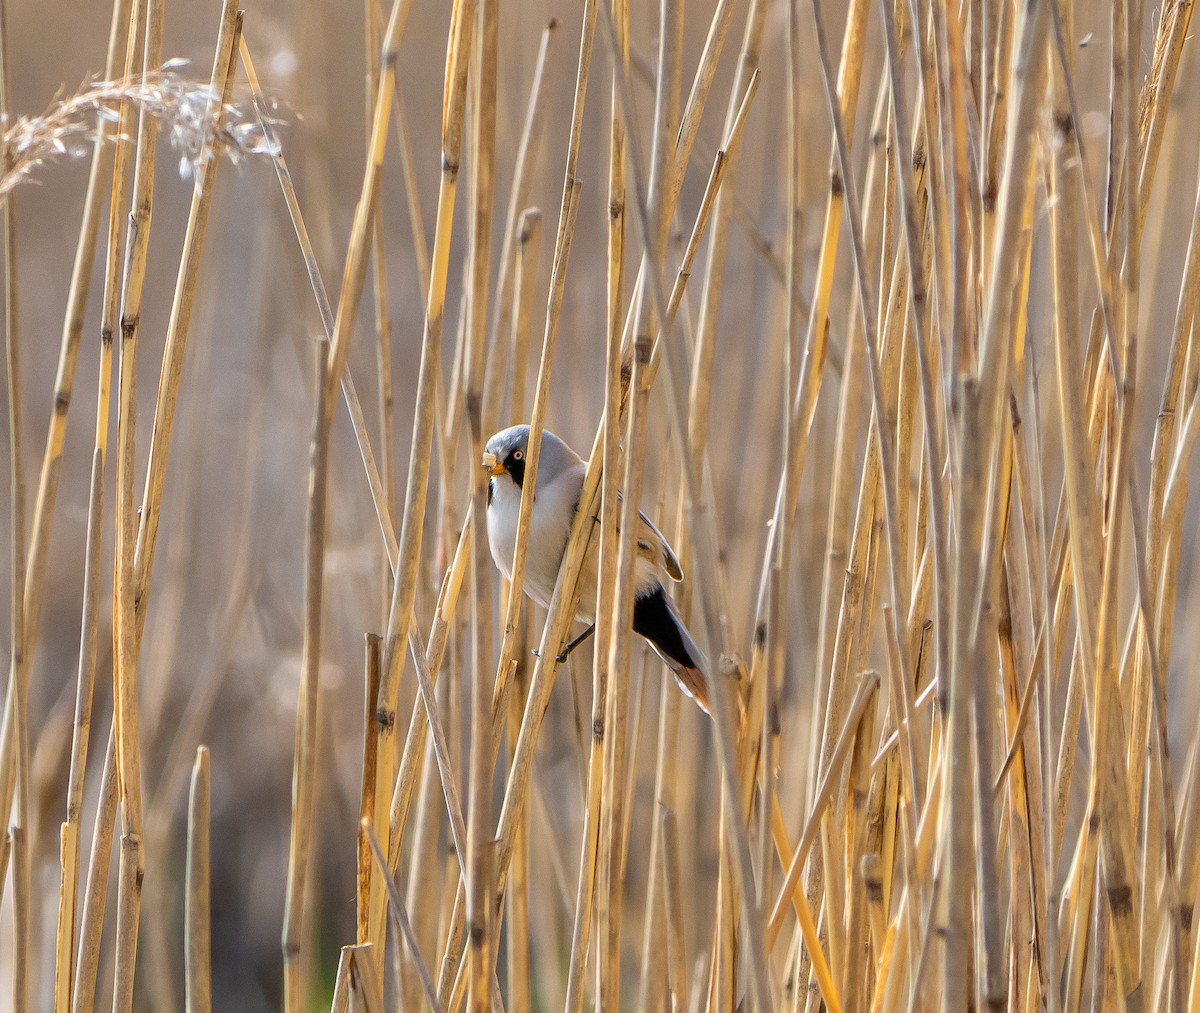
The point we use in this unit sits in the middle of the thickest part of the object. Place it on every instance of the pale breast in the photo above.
(553, 512)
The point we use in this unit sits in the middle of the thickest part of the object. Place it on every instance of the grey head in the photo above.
(506, 452)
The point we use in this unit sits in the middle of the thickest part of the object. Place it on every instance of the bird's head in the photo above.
(504, 454)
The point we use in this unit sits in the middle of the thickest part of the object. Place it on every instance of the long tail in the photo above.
(655, 618)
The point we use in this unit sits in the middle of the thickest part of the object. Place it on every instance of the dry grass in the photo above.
(896, 337)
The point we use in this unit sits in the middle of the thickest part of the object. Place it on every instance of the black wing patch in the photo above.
(654, 620)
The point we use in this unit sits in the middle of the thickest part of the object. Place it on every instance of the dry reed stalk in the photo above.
(414, 742)
(553, 634)
(41, 528)
(103, 835)
(565, 232)
(747, 67)
(126, 628)
(529, 235)
(17, 702)
(357, 986)
(425, 854)
(507, 282)
(91, 922)
(400, 612)
(503, 682)
(860, 845)
(585, 898)
(68, 357)
(442, 754)
(537, 424)
(419, 722)
(994, 581)
(43, 511)
(383, 323)
(478, 873)
(517, 926)
(412, 197)
(81, 731)
(375, 478)
(937, 533)
(366, 809)
(884, 415)
(197, 928)
(698, 514)
(612, 787)
(672, 899)
(181, 309)
(803, 402)
(1159, 531)
(403, 926)
(19, 846)
(332, 365)
(821, 798)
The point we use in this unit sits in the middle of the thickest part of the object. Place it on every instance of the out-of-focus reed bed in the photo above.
(886, 311)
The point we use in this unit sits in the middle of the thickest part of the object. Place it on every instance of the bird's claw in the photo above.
(558, 660)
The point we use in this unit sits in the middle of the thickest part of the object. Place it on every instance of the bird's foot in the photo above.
(566, 651)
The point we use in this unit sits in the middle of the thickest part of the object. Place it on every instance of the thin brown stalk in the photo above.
(414, 743)
(375, 479)
(366, 807)
(509, 274)
(19, 845)
(673, 899)
(197, 929)
(400, 919)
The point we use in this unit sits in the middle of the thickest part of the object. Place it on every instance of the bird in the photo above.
(559, 488)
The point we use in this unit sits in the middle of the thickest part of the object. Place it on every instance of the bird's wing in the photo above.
(653, 545)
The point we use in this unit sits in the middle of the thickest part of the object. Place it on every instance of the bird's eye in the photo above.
(518, 455)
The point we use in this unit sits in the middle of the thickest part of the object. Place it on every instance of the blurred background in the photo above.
(221, 656)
